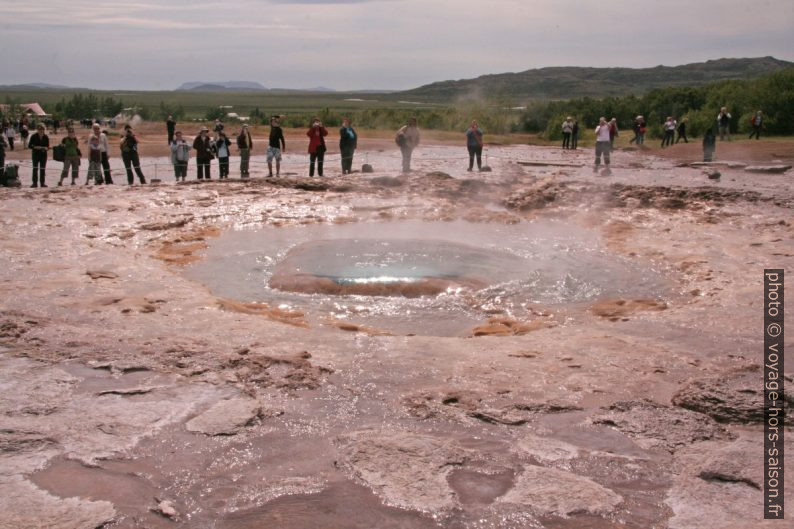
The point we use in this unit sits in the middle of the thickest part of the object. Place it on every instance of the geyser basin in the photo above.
(417, 277)
(392, 267)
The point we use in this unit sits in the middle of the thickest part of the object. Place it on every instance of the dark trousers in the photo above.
(347, 160)
(682, 135)
(180, 170)
(475, 151)
(406, 152)
(39, 164)
(203, 168)
(668, 138)
(318, 157)
(131, 160)
(170, 137)
(602, 147)
(757, 132)
(566, 140)
(106, 167)
(11, 143)
(3, 170)
(223, 165)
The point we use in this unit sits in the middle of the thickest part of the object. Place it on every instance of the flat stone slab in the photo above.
(227, 417)
(730, 165)
(770, 169)
(549, 491)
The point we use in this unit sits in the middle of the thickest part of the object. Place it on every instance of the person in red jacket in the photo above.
(316, 134)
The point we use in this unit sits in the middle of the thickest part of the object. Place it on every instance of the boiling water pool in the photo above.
(418, 277)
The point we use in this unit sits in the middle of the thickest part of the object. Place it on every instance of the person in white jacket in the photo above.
(104, 151)
(603, 145)
(180, 154)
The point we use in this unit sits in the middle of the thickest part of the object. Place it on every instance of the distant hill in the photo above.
(571, 82)
(204, 86)
(34, 86)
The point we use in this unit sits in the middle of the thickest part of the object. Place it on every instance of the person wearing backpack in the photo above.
(71, 156)
(39, 144)
(408, 139)
(129, 154)
(316, 134)
(567, 130)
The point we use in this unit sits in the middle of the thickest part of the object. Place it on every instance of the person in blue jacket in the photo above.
(348, 141)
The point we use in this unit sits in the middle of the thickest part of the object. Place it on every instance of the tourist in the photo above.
(639, 131)
(603, 145)
(613, 131)
(669, 131)
(39, 145)
(94, 160)
(408, 139)
(221, 147)
(3, 145)
(129, 154)
(757, 122)
(682, 131)
(724, 123)
(245, 143)
(71, 156)
(170, 126)
(104, 151)
(709, 145)
(55, 124)
(575, 134)
(316, 134)
(348, 141)
(204, 155)
(276, 145)
(23, 132)
(474, 144)
(567, 130)
(10, 134)
(180, 155)
(218, 126)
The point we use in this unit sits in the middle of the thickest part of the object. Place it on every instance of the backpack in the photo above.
(59, 153)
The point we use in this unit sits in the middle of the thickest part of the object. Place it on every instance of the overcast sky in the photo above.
(363, 44)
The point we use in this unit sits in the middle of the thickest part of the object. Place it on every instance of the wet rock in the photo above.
(166, 508)
(552, 492)
(101, 274)
(499, 326)
(386, 181)
(655, 426)
(537, 197)
(735, 397)
(454, 404)
(227, 417)
(770, 169)
(367, 168)
(615, 309)
(23, 505)
(486, 169)
(712, 174)
(405, 469)
(719, 484)
(138, 390)
(544, 449)
(167, 225)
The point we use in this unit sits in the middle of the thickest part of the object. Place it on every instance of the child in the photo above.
(709, 144)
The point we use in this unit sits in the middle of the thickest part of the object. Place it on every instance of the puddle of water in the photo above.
(543, 263)
(474, 487)
(342, 505)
